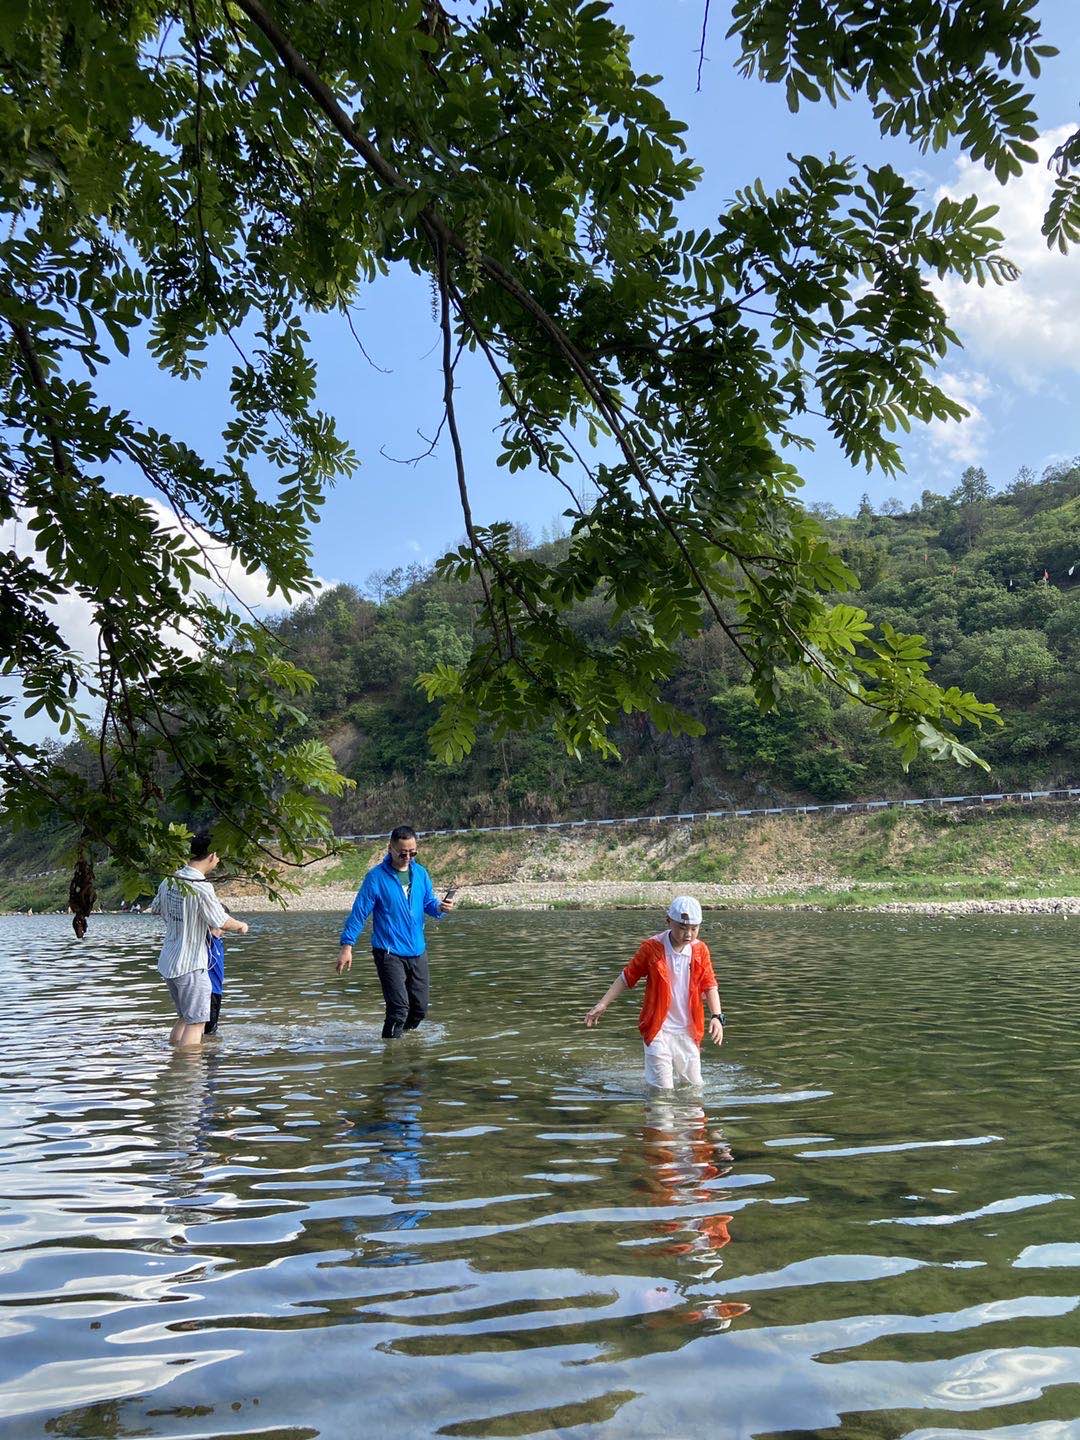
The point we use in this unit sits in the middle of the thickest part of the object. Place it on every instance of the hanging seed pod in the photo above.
(82, 894)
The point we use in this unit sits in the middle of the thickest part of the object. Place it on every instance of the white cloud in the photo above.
(964, 441)
(74, 618)
(1030, 327)
(229, 583)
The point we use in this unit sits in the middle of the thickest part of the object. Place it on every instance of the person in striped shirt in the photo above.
(190, 909)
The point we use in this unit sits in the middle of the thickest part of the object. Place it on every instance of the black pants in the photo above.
(215, 1011)
(405, 988)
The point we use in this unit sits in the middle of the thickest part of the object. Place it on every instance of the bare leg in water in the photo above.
(184, 1034)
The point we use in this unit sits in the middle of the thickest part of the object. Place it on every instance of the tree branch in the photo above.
(455, 439)
(204, 252)
(441, 235)
(24, 340)
(701, 51)
(539, 448)
(360, 344)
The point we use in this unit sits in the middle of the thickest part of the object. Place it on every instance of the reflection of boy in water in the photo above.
(678, 974)
(683, 1158)
(184, 1120)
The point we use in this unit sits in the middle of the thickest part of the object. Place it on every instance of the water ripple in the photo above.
(489, 1230)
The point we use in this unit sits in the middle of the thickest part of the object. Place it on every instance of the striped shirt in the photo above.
(189, 907)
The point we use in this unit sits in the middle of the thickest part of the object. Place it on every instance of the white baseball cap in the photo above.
(686, 909)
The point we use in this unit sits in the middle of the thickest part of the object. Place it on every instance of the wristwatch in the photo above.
(719, 1016)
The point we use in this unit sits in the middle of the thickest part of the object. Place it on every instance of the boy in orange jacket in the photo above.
(678, 977)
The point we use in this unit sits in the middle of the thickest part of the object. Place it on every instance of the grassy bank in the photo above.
(46, 892)
(1011, 852)
(846, 860)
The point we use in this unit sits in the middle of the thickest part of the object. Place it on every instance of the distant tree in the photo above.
(865, 558)
(437, 639)
(520, 539)
(1063, 631)
(966, 524)
(1059, 484)
(385, 584)
(824, 510)
(1056, 536)
(974, 487)
(1014, 666)
(936, 509)
(793, 745)
(554, 531)
(380, 662)
(1012, 560)
(1028, 607)
(1023, 480)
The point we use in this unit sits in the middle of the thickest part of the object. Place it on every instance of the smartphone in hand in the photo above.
(452, 891)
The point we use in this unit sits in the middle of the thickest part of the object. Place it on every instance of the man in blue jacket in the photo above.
(398, 894)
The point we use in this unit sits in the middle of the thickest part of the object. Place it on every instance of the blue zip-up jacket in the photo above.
(399, 923)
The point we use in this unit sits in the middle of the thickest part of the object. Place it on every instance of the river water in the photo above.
(865, 1226)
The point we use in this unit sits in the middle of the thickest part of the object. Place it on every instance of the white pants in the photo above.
(672, 1059)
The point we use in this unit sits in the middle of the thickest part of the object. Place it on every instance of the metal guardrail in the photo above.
(1015, 797)
(1012, 797)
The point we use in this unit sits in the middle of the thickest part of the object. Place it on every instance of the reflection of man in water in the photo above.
(394, 1138)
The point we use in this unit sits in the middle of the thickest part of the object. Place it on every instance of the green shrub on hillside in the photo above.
(983, 575)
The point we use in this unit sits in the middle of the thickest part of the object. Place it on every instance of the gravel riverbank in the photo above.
(645, 895)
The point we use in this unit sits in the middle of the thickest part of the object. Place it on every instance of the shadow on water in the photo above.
(865, 1224)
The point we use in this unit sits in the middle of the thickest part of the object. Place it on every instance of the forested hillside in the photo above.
(992, 580)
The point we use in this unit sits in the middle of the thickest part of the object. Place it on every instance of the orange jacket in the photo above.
(651, 962)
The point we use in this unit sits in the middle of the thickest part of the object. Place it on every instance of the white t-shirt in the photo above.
(678, 962)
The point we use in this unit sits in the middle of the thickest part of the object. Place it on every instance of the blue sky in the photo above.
(1018, 370)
